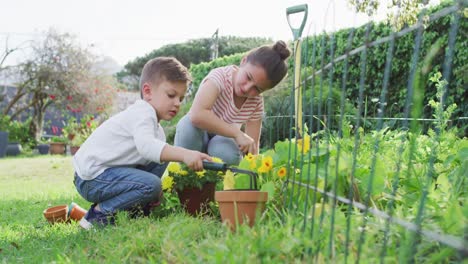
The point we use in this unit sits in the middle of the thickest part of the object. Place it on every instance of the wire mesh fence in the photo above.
(378, 171)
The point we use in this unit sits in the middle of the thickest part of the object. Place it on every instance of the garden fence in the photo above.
(372, 177)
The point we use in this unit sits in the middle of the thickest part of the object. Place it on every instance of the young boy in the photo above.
(119, 166)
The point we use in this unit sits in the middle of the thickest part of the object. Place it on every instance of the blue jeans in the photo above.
(122, 188)
(190, 137)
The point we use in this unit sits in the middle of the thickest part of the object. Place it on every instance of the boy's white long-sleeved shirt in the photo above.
(131, 137)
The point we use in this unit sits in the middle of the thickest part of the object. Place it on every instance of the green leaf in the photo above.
(318, 153)
(242, 181)
(270, 188)
(282, 147)
(463, 154)
(244, 164)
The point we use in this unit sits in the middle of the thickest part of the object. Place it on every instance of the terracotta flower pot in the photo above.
(240, 206)
(74, 149)
(75, 212)
(194, 200)
(57, 148)
(56, 214)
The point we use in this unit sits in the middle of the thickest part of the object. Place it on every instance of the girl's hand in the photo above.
(245, 143)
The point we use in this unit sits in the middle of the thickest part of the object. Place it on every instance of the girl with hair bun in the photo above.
(225, 119)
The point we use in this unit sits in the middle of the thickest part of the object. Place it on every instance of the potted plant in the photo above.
(14, 148)
(76, 142)
(16, 134)
(43, 146)
(80, 130)
(249, 186)
(71, 128)
(58, 144)
(238, 205)
(195, 189)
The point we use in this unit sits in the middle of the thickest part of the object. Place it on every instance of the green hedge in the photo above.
(199, 71)
(317, 49)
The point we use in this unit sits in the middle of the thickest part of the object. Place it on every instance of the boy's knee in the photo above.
(153, 189)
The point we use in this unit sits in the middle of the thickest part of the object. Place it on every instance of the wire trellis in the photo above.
(326, 121)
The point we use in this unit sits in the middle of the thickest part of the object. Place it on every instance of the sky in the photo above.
(124, 30)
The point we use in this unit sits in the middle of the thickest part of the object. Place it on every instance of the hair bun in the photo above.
(282, 49)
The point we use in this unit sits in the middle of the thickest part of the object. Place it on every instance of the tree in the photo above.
(190, 52)
(58, 73)
(3, 57)
(402, 12)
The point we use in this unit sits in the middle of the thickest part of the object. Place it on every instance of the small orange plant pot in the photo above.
(56, 214)
(76, 212)
(239, 207)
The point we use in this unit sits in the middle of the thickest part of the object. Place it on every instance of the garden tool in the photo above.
(297, 32)
(215, 166)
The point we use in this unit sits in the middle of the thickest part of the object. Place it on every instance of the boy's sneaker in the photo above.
(149, 207)
(140, 211)
(93, 217)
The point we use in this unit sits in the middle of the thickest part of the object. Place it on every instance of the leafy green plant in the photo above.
(43, 141)
(4, 121)
(78, 140)
(71, 127)
(59, 139)
(79, 131)
(440, 114)
(18, 131)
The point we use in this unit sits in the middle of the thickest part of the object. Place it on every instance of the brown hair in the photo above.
(272, 59)
(164, 69)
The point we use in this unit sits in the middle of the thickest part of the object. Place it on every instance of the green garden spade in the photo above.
(297, 32)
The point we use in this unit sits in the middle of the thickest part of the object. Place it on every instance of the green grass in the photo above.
(31, 184)
(28, 185)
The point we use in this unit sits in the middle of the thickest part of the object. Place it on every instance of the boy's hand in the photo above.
(245, 143)
(194, 159)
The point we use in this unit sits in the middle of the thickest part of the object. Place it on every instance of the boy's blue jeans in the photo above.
(191, 137)
(122, 188)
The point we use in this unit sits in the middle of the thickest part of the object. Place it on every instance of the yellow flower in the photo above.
(200, 174)
(174, 167)
(282, 172)
(267, 164)
(253, 165)
(252, 160)
(183, 172)
(217, 160)
(228, 180)
(250, 157)
(167, 183)
(303, 144)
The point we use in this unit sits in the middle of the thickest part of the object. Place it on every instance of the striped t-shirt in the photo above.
(224, 106)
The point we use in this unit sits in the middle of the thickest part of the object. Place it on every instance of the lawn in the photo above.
(31, 184)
